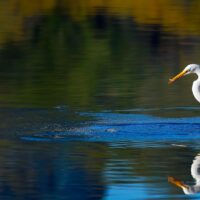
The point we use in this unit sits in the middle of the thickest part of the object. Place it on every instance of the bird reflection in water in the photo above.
(195, 172)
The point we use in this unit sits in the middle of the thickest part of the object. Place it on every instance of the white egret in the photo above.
(192, 68)
(195, 172)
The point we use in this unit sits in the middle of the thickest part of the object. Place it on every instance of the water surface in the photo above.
(58, 154)
(85, 108)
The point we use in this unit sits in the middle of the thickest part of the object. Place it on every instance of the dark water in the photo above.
(85, 108)
(59, 154)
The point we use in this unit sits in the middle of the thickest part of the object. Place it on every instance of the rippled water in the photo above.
(85, 106)
(61, 154)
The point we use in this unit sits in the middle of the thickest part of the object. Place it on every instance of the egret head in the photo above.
(191, 68)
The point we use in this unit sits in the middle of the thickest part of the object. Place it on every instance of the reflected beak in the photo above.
(171, 80)
(177, 182)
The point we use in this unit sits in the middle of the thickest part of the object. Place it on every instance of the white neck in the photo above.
(196, 88)
(198, 73)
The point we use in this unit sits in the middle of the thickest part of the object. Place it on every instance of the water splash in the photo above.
(107, 126)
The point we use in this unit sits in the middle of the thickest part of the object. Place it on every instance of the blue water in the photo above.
(108, 126)
(122, 155)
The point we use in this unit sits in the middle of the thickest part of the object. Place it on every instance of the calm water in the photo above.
(86, 111)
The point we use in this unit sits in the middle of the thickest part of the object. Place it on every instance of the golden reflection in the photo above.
(15, 14)
(175, 17)
(195, 172)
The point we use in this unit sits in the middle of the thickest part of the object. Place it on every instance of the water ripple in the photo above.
(117, 126)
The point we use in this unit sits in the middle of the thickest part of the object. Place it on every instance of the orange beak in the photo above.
(177, 182)
(171, 80)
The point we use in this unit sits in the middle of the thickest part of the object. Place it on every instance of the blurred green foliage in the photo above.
(92, 54)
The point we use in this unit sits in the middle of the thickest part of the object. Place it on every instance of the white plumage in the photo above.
(195, 172)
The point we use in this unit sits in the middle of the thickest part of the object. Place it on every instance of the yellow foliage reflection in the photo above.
(175, 17)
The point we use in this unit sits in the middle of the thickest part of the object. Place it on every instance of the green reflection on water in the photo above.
(102, 62)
